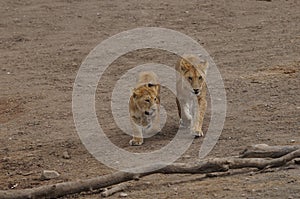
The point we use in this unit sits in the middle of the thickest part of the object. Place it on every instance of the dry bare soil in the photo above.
(255, 45)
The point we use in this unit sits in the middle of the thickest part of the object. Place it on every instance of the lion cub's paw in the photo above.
(136, 141)
(197, 133)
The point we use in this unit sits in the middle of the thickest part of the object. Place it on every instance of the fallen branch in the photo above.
(200, 167)
(264, 151)
(115, 189)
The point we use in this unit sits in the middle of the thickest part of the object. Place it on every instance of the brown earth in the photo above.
(255, 45)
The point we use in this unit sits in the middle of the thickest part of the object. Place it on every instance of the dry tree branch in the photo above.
(264, 150)
(200, 167)
(115, 189)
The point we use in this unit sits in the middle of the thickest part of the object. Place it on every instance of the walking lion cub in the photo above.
(144, 106)
(192, 70)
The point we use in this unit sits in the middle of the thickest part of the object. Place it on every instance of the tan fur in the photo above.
(193, 70)
(144, 106)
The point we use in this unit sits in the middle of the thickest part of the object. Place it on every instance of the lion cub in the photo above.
(191, 113)
(144, 106)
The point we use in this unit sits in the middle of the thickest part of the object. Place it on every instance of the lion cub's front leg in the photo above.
(156, 122)
(199, 116)
(184, 113)
(137, 139)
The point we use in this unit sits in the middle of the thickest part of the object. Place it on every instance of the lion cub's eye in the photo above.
(155, 99)
(147, 100)
(190, 78)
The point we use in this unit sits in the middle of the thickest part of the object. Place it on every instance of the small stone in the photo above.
(13, 186)
(297, 161)
(251, 174)
(39, 144)
(66, 155)
(293, 141)
(122, 194)
(49, 174)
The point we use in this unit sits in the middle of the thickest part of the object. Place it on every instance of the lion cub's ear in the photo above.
(134, 93)
(155, 87)
(205, 66)
(184, 65)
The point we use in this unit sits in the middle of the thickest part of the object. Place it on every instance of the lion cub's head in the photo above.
(194, 71)
(146, 97)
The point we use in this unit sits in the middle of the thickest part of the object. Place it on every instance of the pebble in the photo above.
(49, 174)
(39, 144)
(14, 186)
(66, 155)
(122, 194)
(293, 141)
(187, 156)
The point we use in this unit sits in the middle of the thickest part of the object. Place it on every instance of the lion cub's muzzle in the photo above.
(196, 91)
(150, 112)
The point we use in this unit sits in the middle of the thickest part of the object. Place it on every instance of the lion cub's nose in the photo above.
(147, 113)
(196, 91)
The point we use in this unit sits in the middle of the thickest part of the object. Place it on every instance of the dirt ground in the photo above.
(255, 44)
